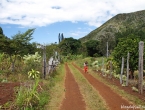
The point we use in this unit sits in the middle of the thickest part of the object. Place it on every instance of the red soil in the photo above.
(7, 92)
(73, 98)
(127, 89)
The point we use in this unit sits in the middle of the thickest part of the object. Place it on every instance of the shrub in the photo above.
(32, 61)
(28, 97)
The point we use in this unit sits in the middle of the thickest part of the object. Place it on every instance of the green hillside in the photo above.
(118, 23)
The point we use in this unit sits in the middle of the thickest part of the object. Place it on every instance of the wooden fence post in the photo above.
(140, 67)
(44, 62)
(111, 69)
(127, 69)
(122, 68)
(103, 67)
(107, 50)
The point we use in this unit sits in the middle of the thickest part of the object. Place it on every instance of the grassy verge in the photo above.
(56, 89)
(91, 96)
(135, 100)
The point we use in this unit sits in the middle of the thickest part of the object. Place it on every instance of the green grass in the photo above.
(135, 100)
(92, 98)
(56, 91)
(30, 98)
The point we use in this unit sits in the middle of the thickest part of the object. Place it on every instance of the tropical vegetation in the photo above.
(21, 57)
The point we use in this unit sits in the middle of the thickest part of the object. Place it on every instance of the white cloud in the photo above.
(77, 33)
(45, 12)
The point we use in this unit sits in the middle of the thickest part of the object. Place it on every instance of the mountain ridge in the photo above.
(118, 23)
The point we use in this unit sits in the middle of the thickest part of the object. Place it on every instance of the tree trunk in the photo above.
(127, 77)
(140, 67)
(131, 74)
(13, 63)
(13, 67)
(122, 68)
(111, 69)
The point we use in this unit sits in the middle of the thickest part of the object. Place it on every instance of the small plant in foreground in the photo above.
(135, 89)
(33, 74)
(28, 97)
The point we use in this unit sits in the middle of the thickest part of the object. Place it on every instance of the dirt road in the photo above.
(74, 100)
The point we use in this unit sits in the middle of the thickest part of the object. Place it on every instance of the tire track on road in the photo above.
(114, 101)
(73, 98)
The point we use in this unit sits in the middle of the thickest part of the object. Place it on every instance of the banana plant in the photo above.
(33, 74)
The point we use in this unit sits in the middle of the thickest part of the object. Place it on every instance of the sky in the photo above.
(73, 18)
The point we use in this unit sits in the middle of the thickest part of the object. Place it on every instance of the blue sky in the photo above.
(73, 18)
(49, 34)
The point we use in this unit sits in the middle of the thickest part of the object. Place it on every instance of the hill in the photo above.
(119, 23)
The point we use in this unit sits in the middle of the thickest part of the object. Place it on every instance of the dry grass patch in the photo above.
(57, 90)
(92, 98)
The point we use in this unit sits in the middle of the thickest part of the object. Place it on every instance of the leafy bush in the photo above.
(5, 62)
(32, 61)
(95, 65)
(117, 76)
(1, 56)
(124, 78)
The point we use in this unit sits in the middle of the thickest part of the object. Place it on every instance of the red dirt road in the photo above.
(73, 98)
(113, 100)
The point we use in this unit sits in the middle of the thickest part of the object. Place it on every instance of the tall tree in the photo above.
(50, 50)
(59, 39)
(69, 46)
(62, 37)
(125, 45)
(93, 48)
(103, 43)
(1, 31)
(3, 41)
(18, 45)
